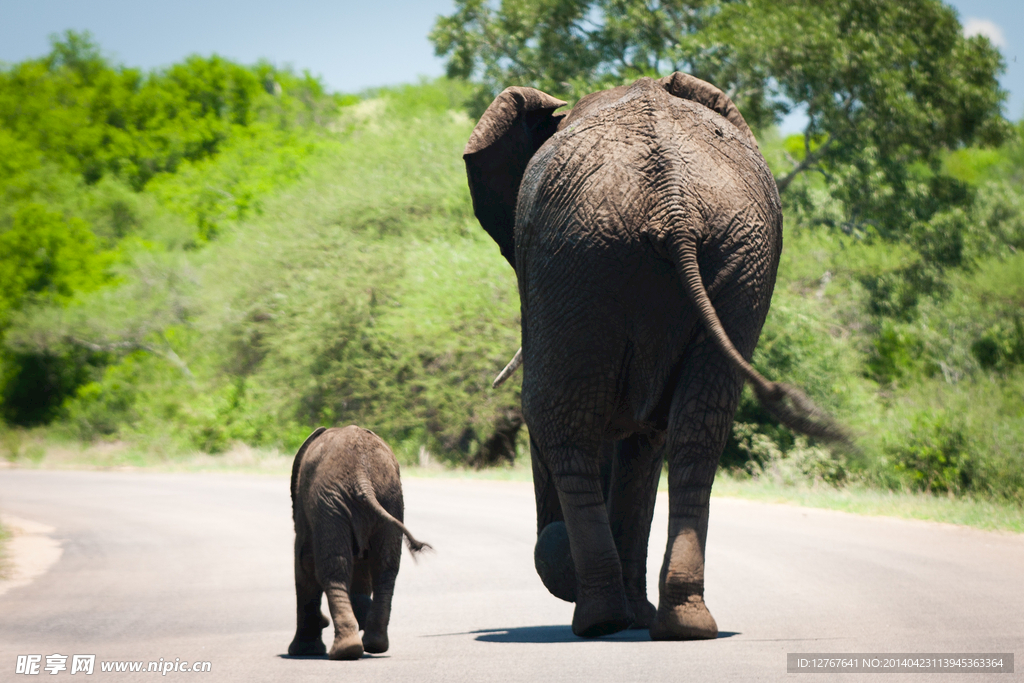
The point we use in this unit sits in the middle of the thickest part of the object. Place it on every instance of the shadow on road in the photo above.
(556, 634)
(366, 655)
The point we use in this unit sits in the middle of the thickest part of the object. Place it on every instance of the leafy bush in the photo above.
(897, 354)
(103, 164)
(47, 257)
(1002, 344)
(796, 347)
(935, 456)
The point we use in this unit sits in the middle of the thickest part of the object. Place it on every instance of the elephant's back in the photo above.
(329, 468)
(624, 176)
(635, 162)
(597, 206)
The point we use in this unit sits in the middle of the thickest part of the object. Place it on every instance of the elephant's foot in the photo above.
(361, 604)
(643, 613)
(307, 648)
(553, 560)
(307, 641)
(375, 643)
(346, 647)
(690, 620)
(601, 617)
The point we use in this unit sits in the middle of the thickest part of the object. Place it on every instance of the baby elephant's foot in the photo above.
(375, 643)
(347, 647)
(307, 648)
(688, 621)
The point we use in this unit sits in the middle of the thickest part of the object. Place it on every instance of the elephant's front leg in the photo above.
(552, 556)
(308, 593)
(601, 605)
(361, 591)
(636, 468)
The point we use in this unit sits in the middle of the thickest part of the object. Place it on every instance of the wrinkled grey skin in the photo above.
(645, 230)
(348, 511)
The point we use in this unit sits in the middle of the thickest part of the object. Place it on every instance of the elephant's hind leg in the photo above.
(385, 558)
(308, 594)
(701, 417)
(332, 547)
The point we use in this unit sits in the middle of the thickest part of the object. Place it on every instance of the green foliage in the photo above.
(104, 164)
(35, 385)
(213, 193)
(884, 97)
(935, 457)
(897, 354)
(800, 462)
(797, 346)
(570, 47)
(364, 295)
(1002, 344)
(95, 119)
(47, 257)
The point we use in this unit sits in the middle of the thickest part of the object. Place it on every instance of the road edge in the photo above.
(31, 550)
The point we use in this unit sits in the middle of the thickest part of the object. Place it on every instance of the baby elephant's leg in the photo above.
(308, 593)
(385, 557)
(334, 564)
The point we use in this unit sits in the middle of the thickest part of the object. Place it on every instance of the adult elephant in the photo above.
(645, 230)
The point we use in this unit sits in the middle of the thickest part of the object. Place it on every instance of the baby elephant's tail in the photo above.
(366, 490)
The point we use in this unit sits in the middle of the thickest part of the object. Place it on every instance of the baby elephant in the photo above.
(347, 506)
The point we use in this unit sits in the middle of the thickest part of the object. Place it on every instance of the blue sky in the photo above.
(352, 44)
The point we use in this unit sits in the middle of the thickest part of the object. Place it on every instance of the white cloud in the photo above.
(984, 27)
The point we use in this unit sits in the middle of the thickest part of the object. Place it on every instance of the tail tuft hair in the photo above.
(791, 407)
(416, 546)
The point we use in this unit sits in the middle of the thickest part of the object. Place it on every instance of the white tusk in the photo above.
(512, 366)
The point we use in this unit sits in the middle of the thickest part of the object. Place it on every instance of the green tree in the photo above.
(95, 119)
(82, 139)
(571, 47)
(889, 87)
(886, 86)
(47, 258)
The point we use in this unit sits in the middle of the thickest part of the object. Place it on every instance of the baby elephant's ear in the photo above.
(692, 88)
(516, 124)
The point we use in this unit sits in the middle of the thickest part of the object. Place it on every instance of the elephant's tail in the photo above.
(297, 463)
(365, 490)
(788, 404)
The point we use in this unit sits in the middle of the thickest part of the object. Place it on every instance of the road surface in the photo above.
(199, 568)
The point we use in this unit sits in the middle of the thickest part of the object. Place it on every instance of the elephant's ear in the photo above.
(689, 87)
(516, 124)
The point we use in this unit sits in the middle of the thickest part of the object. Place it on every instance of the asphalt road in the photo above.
(198, 567)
